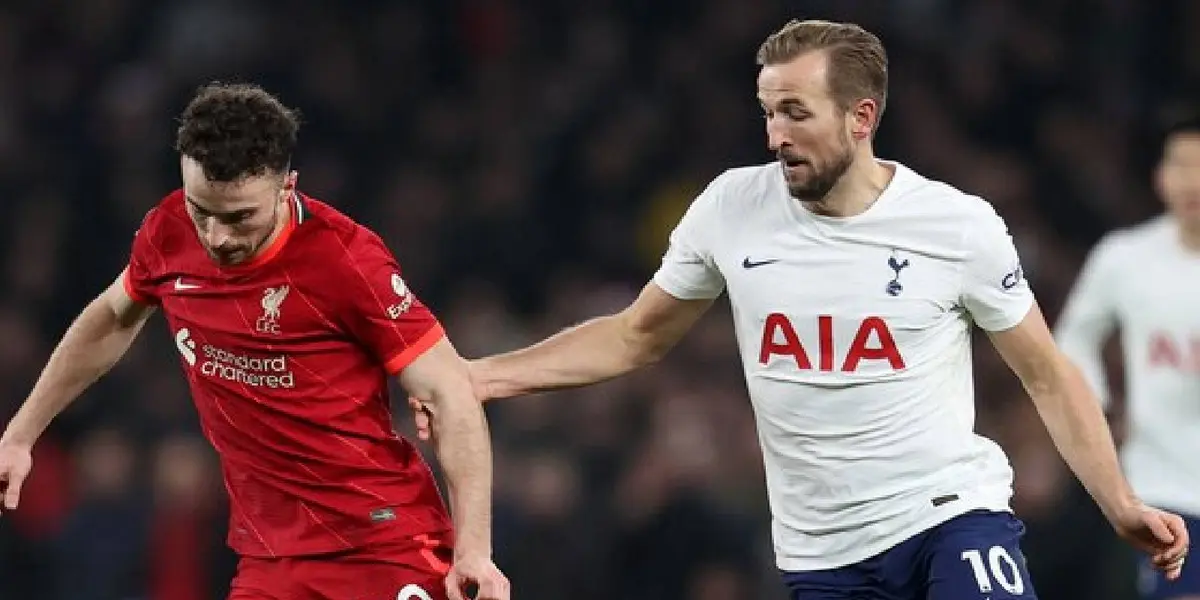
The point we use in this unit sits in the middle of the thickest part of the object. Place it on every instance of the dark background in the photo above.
(525, 160)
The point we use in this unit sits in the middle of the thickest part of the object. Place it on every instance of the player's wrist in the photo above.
(471, 550)
(482, 379)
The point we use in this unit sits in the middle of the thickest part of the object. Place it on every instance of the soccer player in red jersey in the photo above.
(289, 317)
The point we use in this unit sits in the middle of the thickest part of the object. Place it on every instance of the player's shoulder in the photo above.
(331, 236)
(748, 182)
(920, 212)
(928, 196)
(1133, 240)
(166, 226)
(741, 190)
(1148, 232)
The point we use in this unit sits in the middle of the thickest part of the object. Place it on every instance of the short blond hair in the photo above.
(858, 64)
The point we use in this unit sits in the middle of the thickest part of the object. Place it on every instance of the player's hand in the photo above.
(478, 571)
(422, 417)
(1158, 533)
(15, 463)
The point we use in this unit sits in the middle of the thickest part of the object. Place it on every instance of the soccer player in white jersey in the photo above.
(854, 284)
(1146, 281)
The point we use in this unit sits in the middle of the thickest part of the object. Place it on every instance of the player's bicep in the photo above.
(657, 320)
(1029, 350)
(129, 311)
(438, 376)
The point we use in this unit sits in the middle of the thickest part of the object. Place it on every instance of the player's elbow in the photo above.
(641, 345)
(1049, 377)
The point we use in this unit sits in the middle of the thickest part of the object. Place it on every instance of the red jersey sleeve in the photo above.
(379, 310)
(139, 281)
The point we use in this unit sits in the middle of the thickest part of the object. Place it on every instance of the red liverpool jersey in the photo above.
(288, 357)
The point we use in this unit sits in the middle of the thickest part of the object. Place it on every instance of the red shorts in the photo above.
(393, 572)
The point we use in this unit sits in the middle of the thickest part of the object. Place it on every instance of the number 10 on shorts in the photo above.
(1000, 568)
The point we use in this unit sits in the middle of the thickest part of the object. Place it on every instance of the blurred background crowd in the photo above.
(525, 159)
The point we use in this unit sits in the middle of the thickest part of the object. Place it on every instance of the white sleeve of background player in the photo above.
(995, 291)
(688, 271)
(1089, 317)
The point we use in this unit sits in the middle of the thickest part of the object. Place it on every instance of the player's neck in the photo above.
(856, 191)
(282, 216)
(1189, 236)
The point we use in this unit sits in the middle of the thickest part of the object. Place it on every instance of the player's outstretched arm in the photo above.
(1077, 425)
(594, 351)
(98, 338)
(439, 376)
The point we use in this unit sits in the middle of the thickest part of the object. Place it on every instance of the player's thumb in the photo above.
(454, 587)
(12, 494)
(1163, 536)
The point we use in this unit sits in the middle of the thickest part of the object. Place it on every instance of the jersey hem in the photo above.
(405, 357)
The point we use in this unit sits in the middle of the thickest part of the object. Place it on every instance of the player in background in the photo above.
(854, 283)
(1145, 280)
(289, 319)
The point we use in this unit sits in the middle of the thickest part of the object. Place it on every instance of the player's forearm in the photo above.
(1080, 432)
(594, 351)
(90, 347)
(464, 451)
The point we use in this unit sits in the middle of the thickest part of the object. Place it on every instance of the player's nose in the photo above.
(777, 136)
(215, 234)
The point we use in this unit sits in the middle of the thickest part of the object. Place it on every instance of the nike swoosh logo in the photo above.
(748, 264)
(180, 285)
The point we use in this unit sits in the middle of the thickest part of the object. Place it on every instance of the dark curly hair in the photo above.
(237, 130)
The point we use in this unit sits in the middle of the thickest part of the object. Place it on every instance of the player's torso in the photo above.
(1160, 334)
(838, 303)
(856, 349)
(1157, 310)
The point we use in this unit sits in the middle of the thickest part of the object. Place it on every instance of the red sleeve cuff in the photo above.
(405, 357)
(133, 293)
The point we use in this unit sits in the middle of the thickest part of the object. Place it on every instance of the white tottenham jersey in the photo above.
(855, 337)
(1145, 282)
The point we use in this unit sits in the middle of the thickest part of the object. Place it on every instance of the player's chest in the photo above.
(810, 277)
(267, 311)
(1159, 295)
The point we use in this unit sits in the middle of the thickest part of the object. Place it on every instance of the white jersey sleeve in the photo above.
(1089, 317)
(688, 270)
(994, 289)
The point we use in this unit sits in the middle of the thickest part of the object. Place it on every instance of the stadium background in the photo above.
(525, 159)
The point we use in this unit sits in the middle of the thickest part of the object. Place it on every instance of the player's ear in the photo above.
(863, 116)
(289, 184)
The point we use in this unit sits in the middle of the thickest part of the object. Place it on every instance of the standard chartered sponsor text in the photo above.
(269, 372)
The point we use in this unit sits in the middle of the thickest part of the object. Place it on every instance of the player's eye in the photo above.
(235, 218)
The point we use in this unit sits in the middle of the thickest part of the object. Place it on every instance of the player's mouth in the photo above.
(792, 166)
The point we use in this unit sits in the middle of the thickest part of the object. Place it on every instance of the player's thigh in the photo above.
(340, 580)
(854, 582)
(377, 574)
(260, 579)
(978, 556)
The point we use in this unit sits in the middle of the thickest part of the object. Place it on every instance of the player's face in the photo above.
(1179, 177)
(806, 129)
(234, 220)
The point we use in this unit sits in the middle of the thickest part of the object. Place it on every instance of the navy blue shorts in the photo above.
(975, 556)
(1153, 585)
